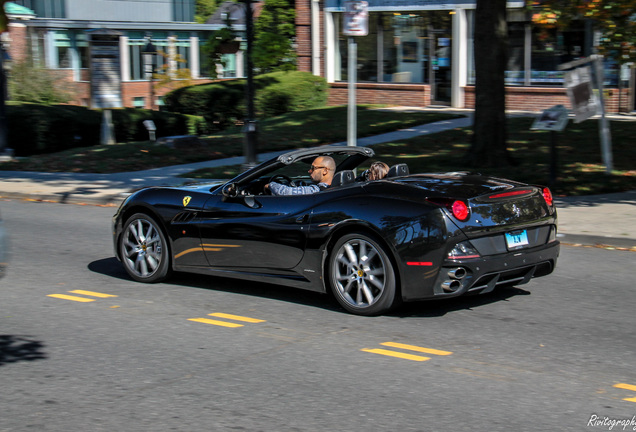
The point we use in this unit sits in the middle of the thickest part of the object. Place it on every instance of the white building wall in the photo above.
(120, 10)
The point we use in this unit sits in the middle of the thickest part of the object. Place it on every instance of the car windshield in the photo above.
(294, 174)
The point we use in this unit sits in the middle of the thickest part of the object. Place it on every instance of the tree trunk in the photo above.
(491, 52)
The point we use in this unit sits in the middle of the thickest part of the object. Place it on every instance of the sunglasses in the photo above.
(314, 168)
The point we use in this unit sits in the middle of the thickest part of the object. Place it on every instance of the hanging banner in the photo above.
(356, 18)
(578, 85)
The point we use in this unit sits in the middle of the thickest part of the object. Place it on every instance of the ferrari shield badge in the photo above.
(186, 200)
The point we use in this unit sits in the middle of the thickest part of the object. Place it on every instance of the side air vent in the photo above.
(184, 217)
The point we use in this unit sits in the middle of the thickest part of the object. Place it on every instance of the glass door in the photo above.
(440, 49)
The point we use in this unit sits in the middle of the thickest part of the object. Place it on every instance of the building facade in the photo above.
(420, 53)
(97, 46)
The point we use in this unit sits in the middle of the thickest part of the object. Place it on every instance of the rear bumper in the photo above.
(482, 275)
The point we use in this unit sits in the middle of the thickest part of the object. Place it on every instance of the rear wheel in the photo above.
(144, 249)
(361, 275)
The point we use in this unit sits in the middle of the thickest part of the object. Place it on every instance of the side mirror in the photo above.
(230, 190)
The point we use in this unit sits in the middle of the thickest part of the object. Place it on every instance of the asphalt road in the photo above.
(557, 354)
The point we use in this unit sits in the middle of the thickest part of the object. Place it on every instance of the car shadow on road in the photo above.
(437, 308)
(20, 348)
(109, 267)
(420, 309)
(257, 289)
(113, 268)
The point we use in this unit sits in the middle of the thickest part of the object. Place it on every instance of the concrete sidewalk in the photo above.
(593, 220)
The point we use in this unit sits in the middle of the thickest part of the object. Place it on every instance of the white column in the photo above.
(332, 66)
(50, 50)
(240, 64)
(124, 58)
(195, 64)
(459, 63)
(315, 37)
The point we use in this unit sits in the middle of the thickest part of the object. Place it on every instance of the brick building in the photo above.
(97, 45)
(420, 53)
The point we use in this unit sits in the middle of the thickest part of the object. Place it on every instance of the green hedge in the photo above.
(223, 103)
(36, 129)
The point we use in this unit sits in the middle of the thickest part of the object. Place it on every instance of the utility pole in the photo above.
(356, 24)
(251, 129)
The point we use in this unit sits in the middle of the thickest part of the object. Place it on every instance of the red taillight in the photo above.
(547, 196)
(460, 210)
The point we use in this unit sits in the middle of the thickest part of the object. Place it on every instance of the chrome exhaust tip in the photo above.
(451, 285)
(457, 273)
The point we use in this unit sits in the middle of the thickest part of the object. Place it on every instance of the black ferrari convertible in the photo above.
(372, 243)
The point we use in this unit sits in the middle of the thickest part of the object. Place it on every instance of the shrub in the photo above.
(38, 85)
(289, 92)
(223, 103)
(36, 129)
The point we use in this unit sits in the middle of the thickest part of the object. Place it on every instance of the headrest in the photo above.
(342, 178)
(398, 170)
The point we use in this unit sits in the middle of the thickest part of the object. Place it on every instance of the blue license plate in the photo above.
(516, 239)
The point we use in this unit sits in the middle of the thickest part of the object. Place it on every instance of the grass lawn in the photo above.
(580, 168)
(295, 130)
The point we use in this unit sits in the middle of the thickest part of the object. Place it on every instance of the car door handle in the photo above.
(302, 219)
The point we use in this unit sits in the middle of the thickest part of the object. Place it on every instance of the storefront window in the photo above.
(398, 46)
(136, 43)
(71, 50)
(515, 69)
(552, 47)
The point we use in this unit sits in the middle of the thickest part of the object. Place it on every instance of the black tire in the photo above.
(144, 250)
(361, 275)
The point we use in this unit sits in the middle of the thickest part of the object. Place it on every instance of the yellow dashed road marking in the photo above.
(236, 317)
(396, 354)
(627, 387)
(416, 348)
(227, 316)
(92, 293)
(215, 322)
(406, 356)
(73, 298)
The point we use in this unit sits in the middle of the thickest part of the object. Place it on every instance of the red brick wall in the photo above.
(303, 35)
(541, 98)
(18, 47)
(416, 95)
(129, 91)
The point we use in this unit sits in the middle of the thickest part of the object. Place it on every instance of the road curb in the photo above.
(66, 198)
(597, 241)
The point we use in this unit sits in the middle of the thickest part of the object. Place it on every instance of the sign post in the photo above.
(553, 119)
(356, 24)
(578, 83)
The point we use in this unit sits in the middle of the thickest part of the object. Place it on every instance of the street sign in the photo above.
(356, 18)
(553, 119)
(578, 85)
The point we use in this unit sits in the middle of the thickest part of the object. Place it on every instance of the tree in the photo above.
(274, 34)
(488, 148)
(220, 42)
(204, 10)
(170, 74)
(38, 85)
(615, 19)
(4, 19)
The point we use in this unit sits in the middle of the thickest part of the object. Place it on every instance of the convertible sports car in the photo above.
(372, 243)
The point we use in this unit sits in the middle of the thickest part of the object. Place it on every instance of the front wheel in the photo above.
(144, 250)
(361, 275)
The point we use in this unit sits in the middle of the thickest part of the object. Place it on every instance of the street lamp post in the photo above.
(251, 130)
(149, 53)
